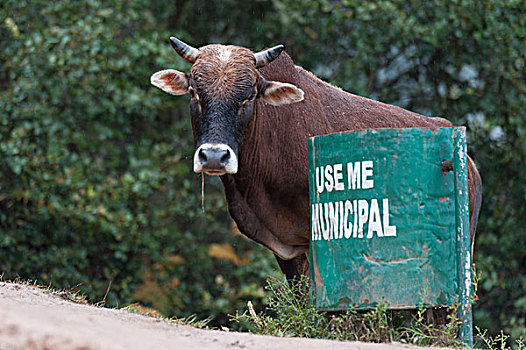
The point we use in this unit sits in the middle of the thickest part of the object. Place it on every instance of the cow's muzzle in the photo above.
(215, 159)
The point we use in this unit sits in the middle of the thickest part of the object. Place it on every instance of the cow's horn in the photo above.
(264, 57)
(184, 50)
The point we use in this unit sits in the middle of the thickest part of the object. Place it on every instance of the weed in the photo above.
(192, 320)
(70, 294)
(498, 342)
(139, 309)
(290, 313)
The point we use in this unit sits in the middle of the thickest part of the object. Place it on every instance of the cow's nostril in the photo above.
(211, 158)
(225, 157)
(202, 157)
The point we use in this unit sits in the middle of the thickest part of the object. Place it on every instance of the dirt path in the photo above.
(32, 319)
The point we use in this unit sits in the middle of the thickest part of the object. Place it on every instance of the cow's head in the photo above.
(223, 85)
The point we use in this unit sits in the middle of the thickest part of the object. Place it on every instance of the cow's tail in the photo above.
(475, 199)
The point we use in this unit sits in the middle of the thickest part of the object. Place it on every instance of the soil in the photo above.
(34, 319)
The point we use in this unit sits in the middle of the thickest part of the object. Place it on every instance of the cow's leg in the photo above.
(295, 268)
(437, 316)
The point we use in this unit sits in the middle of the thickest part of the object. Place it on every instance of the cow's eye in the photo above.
(192, 92)
(251, 98)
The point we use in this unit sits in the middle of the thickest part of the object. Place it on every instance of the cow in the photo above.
(251, 116)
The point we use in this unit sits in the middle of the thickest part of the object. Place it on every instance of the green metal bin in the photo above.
(389, 220)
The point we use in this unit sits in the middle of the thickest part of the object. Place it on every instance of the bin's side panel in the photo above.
(463, 234)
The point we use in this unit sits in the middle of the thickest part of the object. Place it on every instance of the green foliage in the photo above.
(96, 188)
(95, 165)
(291, 314)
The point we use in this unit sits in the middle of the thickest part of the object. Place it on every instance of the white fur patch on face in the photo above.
(224, 54)
(170, 81)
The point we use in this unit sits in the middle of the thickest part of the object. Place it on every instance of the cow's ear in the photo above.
(171, 81)
(279, 94)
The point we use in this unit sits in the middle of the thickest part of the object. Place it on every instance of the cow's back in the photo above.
(275, 154)
(327, 109)
(280, 134)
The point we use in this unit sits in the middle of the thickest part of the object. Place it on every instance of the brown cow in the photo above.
(251, 121)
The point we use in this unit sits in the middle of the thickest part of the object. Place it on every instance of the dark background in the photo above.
(96, 182)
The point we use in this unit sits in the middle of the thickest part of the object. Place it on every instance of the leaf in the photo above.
(224, 251)
(174, 260)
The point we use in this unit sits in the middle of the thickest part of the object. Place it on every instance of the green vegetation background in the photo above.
(96, 182)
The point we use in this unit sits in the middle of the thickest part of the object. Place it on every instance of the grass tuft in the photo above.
(70, 294)
(191, 320)
(291, 314)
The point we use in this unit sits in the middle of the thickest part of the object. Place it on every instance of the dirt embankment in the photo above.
(33, 319)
